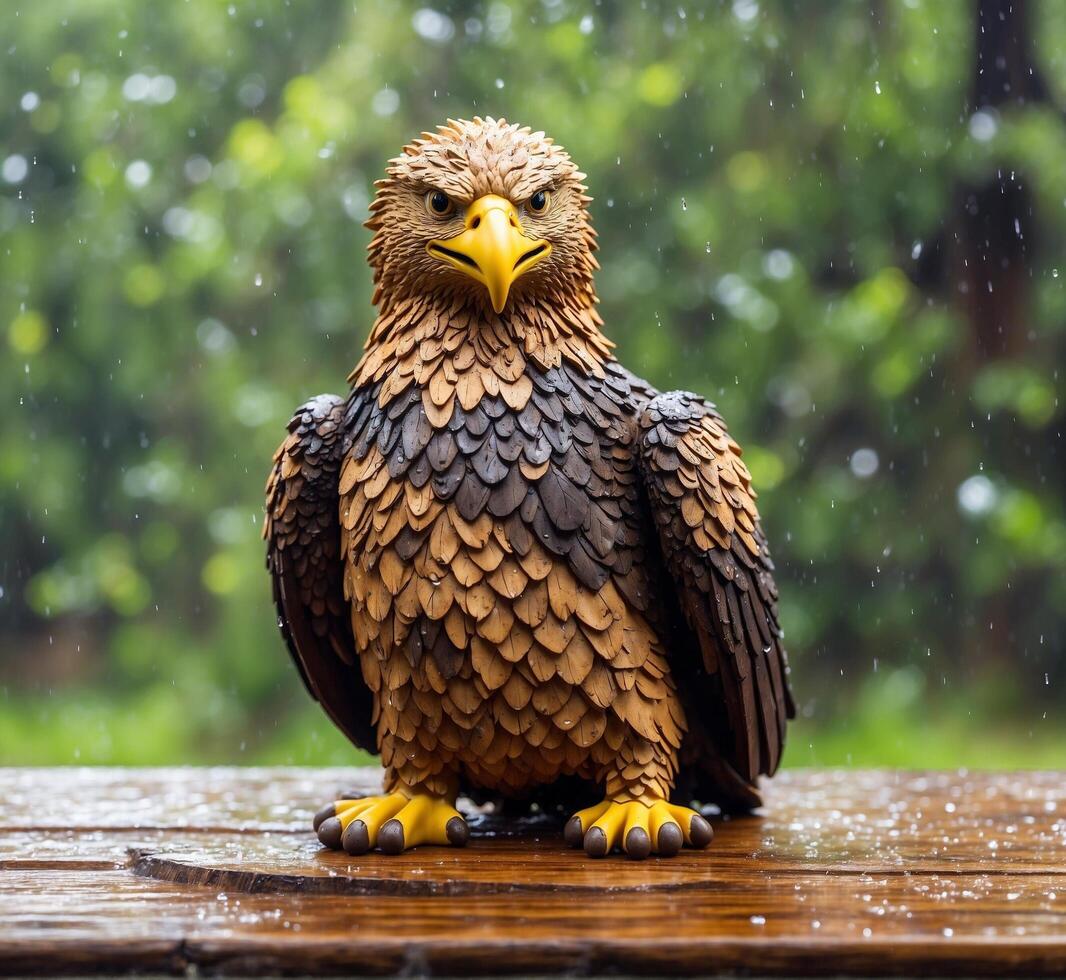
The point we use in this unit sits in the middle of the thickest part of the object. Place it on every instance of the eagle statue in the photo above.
(502, 561)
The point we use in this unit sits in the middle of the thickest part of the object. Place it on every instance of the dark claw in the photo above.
(638, 844)
(458, 831)
(390, 837)
(356, 840)
(670, 839)
(330, 810)
(572, 832)
(596, 843)
(329, 833)
(700, 831)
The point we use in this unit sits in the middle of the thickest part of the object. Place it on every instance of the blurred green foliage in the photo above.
(780, 193)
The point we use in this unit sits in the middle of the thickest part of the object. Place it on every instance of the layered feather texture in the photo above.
(503, 559)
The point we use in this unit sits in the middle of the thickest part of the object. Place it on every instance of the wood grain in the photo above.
(867, 873)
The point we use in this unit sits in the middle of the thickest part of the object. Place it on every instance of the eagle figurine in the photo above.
(502, 561)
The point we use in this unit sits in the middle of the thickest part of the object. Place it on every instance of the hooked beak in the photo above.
(493, 249)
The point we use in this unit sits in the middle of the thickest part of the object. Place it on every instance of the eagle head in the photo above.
(486, 211)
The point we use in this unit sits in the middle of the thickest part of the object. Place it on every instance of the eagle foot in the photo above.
(392, 822)
(637, 828)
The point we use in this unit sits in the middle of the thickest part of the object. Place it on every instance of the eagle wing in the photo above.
(703, 504)
(302, 530)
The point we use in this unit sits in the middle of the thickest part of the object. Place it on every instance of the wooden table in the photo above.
(867, 873)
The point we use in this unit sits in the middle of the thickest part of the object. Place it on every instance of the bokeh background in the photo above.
(845, 222)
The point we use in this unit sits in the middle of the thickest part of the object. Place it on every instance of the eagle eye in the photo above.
(438, 203)
(538, 203)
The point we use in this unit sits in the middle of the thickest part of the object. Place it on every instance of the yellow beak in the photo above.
(493, 249)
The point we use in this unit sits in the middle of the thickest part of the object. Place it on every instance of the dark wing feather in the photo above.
(302, 531)
(701, 498)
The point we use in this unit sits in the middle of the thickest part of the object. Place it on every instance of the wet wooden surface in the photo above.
(215, 870)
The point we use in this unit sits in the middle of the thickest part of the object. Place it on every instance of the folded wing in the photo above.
(704, 507)
(302, 531)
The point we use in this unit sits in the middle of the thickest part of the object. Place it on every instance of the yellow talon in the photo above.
(638, 828)
(393, 822)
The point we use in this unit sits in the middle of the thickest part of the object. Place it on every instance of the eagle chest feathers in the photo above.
(493, 540)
